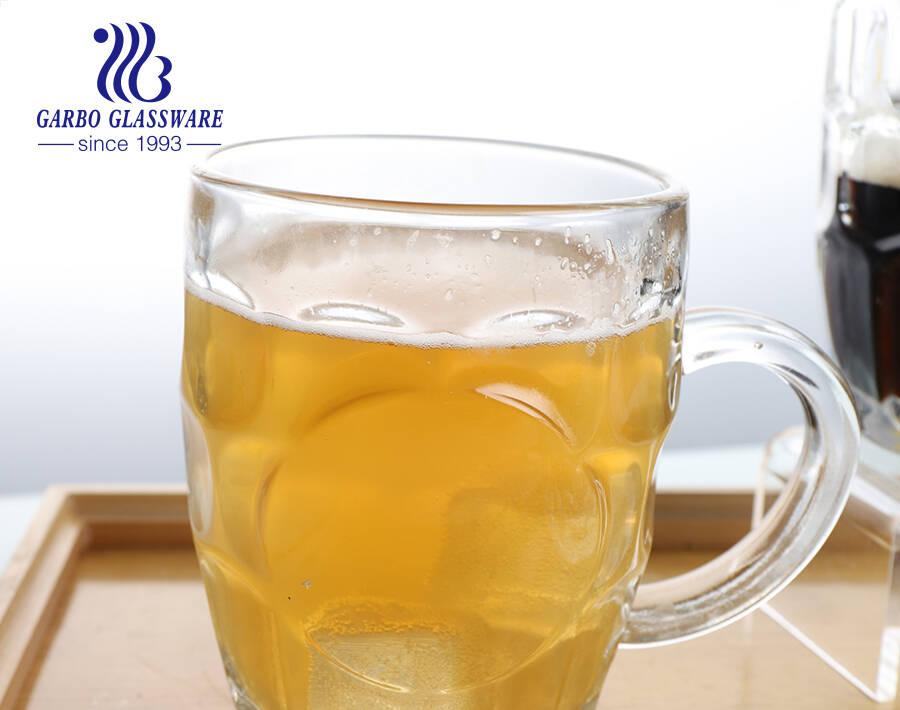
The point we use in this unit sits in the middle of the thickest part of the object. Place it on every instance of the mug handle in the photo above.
(774, 552)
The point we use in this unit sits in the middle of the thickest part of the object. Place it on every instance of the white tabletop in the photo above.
(732, 468)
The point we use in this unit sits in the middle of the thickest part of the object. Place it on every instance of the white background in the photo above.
(724, 95)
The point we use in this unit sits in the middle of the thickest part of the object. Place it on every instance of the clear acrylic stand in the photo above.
(854, 581)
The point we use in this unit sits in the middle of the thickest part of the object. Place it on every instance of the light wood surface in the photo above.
(102, 607)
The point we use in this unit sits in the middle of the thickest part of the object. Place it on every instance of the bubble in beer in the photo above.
(538, 241)
(376, 231)
(495, 234)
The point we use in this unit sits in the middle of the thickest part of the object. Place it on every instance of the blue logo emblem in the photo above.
(101, 35)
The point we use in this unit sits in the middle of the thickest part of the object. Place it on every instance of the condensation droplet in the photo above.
(590, 348)
(353, 241)
(515, 240)
(448, 294)
(408, 268)
(487, 258)
(495, 234)
(538, 241)
(587, 238)
(610, 253)
(758, 346)
(568, 232)
(307, 583)
(563, 263)
(444, 239)
(376, 231)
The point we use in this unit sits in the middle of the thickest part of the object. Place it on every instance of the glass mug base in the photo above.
(420, 436)
(350, 697)
(242, 702)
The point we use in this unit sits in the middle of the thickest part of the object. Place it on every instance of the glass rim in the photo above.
(669, 192)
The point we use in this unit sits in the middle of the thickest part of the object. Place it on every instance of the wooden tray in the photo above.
(102, 607)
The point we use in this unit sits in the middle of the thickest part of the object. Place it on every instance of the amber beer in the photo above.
(386, 523)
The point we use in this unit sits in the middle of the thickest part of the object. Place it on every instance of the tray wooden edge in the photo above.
(69, 519)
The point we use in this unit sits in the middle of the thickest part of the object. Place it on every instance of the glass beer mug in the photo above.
(860, 209)
(425, 383)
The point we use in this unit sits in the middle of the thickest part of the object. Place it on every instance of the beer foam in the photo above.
(432, 287)
(875, 154)
(480, 337)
